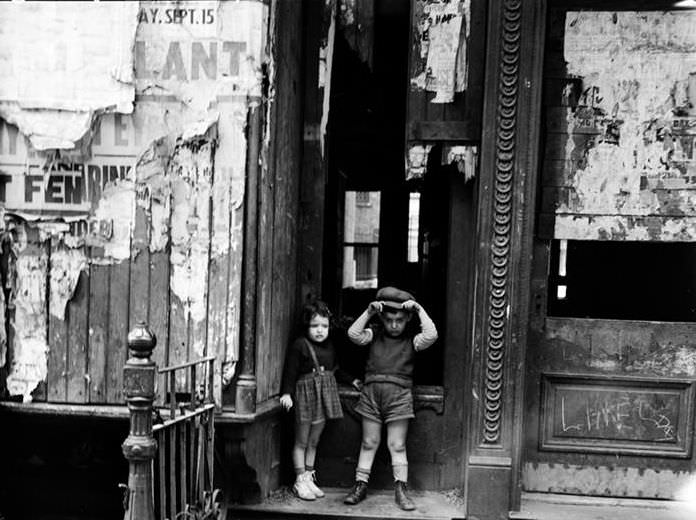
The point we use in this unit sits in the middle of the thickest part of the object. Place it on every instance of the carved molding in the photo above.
(498, 296)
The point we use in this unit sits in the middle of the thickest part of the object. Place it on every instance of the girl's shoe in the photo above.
(311, 481)
(301, 488)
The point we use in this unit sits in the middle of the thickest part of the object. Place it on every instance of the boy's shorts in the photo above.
(384, 402)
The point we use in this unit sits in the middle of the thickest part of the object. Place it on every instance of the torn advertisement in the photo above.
(30, 347)
(190, 171)
(417, 160)
(153, 191)
(83, 51)
(326, 52)
(200, 51)
(443, 31)
(631, 131)
(66, 266)
(112, 225)
(464, 157)
(35, 188)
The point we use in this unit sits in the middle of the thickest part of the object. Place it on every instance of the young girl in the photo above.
(308, 379)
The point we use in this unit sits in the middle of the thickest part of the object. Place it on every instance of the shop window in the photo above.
(651, 281)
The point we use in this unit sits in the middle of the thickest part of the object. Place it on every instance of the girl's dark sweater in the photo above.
(298, 361)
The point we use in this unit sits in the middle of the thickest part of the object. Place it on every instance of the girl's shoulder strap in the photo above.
(312, 353)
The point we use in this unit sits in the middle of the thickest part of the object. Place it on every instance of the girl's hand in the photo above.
(286, 401)
(374, 308)
(357, 384)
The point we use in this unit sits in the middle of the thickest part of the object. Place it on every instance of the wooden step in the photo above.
(430, 505)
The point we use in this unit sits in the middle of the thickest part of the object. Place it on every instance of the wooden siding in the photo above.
(279, 205)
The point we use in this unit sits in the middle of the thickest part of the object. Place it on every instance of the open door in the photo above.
(612, 340)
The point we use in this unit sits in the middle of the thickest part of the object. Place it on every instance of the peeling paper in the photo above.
(632, 136)
(82, 50)
(217, 55)
(116, 210)
(66, 266)
(443, 32)
(190, 170)
(326, 52)
(30, 347)
(464, 157)
(417, 160)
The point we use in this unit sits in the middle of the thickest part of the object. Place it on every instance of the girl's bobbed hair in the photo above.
(315, 308)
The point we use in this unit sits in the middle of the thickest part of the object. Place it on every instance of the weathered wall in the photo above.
(277, 311)
(142, 218)
(619, 159)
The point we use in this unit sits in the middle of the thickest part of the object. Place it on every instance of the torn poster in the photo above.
(190, 170)
(464, 157)
(417, 160)
(443, 30)
(628, 125)
(66, 266)
(30, 347)
(200, 51)
(63, 63)
(326, 51)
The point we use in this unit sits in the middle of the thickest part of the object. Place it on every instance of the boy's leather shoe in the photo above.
(357, 493)
(401, 498)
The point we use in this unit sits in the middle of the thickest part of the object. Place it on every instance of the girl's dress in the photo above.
(311, 368)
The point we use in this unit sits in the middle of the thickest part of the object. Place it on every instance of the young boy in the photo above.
(387, 394)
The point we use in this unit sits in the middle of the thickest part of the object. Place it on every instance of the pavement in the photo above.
(543, 506)
(450, 506)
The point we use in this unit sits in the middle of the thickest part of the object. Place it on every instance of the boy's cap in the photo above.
(392, 297)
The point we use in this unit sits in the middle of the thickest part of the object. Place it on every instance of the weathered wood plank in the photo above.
(98, 330)
(139, 293)
(56, 381)
(116, 347)
(77, 313)
(159, 304)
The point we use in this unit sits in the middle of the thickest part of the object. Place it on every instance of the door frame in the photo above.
(506, 199)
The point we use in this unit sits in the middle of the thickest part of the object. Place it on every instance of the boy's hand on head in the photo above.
(374, 308)
(411, 305)
(286, 401)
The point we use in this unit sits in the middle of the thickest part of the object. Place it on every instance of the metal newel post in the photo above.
(140, 446)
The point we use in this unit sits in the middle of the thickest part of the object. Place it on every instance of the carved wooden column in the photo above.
(245, 390)
(140, 446)
(511, 112)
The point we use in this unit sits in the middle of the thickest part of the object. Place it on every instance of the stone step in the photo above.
(430, 505)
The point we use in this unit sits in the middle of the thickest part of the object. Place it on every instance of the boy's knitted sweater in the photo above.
(391, 359)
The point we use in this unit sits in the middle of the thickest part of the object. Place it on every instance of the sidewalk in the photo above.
(542, 506)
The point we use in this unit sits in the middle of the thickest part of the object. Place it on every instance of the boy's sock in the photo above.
(400, 472)
(362, 474)
(299, 471)
(309, 468)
